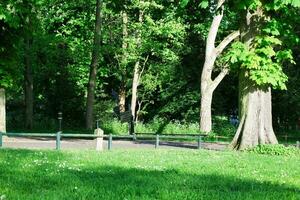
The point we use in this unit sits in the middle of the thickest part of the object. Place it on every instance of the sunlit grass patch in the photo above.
(147, 174)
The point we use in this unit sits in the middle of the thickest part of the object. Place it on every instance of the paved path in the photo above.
(49, 143)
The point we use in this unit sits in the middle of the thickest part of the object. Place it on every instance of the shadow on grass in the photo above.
(111, 182)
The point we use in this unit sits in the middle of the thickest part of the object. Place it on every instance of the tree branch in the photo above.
(220, 3)
(227, 40)
(220, 77)
(144, 64)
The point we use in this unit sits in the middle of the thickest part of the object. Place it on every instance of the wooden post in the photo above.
(157, 141)
(134, 137)
(2, 111)
(199, 142)
(58, 136)
(109, 142)
(99, 140)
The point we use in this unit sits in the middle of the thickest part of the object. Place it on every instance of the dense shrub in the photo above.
(277, 149)
(114, 126)
(222, 127)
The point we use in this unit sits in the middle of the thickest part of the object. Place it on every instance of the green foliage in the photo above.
(268, 5)
(204, 4)
(277, 149)
(173, 35)
(266, 56)
(114, 126)
(262, 60)
(222, 127)
(183, 3)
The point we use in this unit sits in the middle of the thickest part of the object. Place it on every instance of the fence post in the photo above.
(58, 136)
(157, 141)
(199, 141)
(99, 139)
(1, 140)
(134, 137)
(298, 144)
(109, 142)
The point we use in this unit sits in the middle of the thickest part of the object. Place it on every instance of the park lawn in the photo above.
(147, 174)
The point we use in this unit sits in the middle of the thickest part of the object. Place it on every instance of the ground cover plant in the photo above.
(147, 174)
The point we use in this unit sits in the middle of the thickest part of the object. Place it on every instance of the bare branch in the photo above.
(220, 77)
(227, 40)
(143, 68)
(220, 3)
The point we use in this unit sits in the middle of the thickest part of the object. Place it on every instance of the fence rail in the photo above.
(199, 138)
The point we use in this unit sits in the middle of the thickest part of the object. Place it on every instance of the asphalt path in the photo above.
(86, 144)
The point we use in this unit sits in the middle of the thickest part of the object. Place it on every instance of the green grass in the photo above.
(147, 174)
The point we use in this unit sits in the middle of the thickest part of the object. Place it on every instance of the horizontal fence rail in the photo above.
(199, 138)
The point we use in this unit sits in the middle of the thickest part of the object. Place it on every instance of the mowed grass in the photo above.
(147, 174)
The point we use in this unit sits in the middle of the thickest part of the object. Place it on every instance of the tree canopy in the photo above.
(152, 56)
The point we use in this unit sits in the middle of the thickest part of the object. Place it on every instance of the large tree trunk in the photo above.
(208, 85)
(28, 77)
(2, 111)
(255, 102)
(256, 116)
(93, 68)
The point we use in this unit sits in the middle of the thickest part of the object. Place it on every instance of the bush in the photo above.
(277, 149)
(160, 126)
(114, 127)
(222, 127)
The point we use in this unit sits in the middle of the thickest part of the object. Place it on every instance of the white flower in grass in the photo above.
(2, 197)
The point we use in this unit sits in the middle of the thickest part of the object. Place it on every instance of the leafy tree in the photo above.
(208, 85)
(93, 68)
(261, 61)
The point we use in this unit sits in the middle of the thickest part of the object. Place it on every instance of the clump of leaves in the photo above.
(277, 149)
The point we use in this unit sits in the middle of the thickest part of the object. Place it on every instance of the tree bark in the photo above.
(205, 111)
(256, 116)
(93, 68)
(28, 77)
(2, 111)
(134, 90)
(122, 88)
(211, 53)
(122, 98)
(137, 70)
(255, 102)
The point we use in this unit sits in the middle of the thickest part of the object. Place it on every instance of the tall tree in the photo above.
(255, 101)
(93, 68)
(208, 84)
(261, 60)
(137, 67)
(124, 61)
(29, 20)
